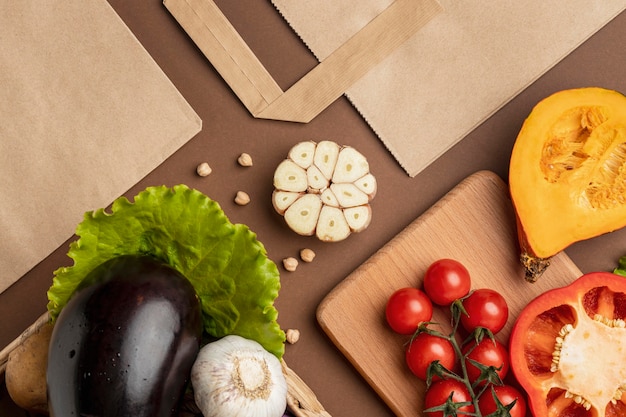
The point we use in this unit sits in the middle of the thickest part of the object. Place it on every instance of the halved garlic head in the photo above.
(324, 189)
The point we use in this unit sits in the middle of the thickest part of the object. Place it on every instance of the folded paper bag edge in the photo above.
(230, 55)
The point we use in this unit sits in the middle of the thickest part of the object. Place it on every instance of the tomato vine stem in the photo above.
(484, 382)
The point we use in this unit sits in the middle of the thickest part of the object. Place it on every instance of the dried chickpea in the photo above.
(242, 198)
(292, 336)
(290, 264)
(307, 255)
(245, 160)
(203, 169)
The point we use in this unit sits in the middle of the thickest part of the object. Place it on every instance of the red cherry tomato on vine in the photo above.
(485, 308)
(426, 348)
(489, 353)
(446, 280)
(440, 391)
(506, 394)
(407, 308)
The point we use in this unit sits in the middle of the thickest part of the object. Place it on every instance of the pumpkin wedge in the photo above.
(567, 173)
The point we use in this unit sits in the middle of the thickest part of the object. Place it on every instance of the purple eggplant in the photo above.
(125, 343)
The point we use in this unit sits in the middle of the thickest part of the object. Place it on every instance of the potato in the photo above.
(26, 371)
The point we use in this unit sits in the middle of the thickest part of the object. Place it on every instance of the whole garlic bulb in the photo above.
(237, 377)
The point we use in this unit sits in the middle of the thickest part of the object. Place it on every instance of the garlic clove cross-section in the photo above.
(350, 166)
(332, 224)
(289, 176)
(303, 214)
(283, 199)
(302, 154)
(324, 189)
(359, 217)
(348, 195)
(237, 377)
(325, 157)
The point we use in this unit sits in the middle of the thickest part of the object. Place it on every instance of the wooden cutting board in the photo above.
(475, 224)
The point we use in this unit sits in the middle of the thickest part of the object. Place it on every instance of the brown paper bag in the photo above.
(456, 71)
(85, 113)
(423, 73)
(237, 64)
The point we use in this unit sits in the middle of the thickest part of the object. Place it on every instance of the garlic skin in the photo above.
(237, 377)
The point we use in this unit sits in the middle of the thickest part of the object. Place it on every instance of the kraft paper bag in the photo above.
(422, 73)
(229, 54)
(85, 113)
(456, 71)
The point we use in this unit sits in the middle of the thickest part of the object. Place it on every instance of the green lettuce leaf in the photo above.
(235, 280)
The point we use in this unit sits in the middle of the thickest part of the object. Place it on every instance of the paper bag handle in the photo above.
(220, 42)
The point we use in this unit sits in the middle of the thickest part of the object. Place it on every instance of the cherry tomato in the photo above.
(407, 308)
(489, 353)
(440, 391)
(426, 348)
(485, 308)
(446, 280)
(506, 394)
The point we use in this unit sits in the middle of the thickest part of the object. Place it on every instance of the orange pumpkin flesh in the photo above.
(567, 173)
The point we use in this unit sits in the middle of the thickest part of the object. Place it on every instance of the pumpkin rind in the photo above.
(567, 173)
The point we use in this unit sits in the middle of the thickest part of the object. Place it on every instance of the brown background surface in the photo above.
(228, 130)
